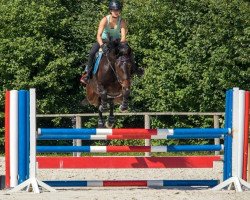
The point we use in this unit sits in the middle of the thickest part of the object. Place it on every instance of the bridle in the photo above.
(124, 59)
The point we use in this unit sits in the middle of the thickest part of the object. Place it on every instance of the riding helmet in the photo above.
(115, 5)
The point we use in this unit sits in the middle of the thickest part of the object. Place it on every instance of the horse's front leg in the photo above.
(125, 94)
(111, 118)
(104, 99)
(100, 120)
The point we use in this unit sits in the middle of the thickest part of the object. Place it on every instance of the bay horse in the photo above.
(111, 84)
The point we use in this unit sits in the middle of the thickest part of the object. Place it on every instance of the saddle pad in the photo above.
(98, 59)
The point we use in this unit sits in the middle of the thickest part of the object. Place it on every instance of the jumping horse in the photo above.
(111, 84)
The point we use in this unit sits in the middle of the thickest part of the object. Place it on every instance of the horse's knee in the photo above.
(103, 95)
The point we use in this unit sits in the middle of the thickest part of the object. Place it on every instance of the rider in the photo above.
(111, 27)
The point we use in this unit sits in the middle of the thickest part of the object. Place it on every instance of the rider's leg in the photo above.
(91, 59)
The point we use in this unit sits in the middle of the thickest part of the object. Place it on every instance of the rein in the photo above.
(109, 63)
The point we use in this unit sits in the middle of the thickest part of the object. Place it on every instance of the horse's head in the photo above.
(112, 49)
(123, 64)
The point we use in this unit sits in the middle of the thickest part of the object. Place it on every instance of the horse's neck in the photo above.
(112, 56)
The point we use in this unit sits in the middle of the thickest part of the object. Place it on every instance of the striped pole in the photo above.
(132, 131)
(124, 137)
(106, 149)
(133, 183)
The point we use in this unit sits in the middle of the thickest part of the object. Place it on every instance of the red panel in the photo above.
(7, 144)
(127, 162)
(131, 131)
(125, 137)
(124, 183)
(246, 135)
(128, 149)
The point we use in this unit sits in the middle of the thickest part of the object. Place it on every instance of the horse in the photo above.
(111, 84)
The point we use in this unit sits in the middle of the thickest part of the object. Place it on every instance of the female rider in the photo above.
(111, 27)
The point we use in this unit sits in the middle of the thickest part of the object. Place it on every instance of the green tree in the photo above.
(192, 51)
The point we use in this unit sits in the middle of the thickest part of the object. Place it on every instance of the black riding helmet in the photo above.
(115, 5)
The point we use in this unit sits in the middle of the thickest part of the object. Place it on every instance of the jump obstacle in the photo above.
(21, 135)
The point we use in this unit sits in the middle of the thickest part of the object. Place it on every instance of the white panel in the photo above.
(32, 133)
(95, 183)
(241, 132)
(235, 131)
(165, 131)
(98, 149)
(159, 137)
(158, 148)
(155, 183)
(98, 137)
(103, 131)
(13, 138)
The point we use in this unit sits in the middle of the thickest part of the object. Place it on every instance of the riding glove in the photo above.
(104, 47)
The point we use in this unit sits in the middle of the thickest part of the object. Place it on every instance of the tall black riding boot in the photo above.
(89, 73)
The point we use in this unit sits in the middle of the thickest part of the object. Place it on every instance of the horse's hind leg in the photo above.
(111, 119)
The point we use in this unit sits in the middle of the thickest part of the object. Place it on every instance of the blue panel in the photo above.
(63, 137)
(176, 148)
(84, 131)
(227, 167)
(194, 136)
(22, 136)
(201, 131)
(210, 183)
(43, 149)
(66, 183)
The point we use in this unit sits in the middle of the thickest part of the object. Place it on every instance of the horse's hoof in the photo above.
(109, 125)
(101, 123)
(123, 108)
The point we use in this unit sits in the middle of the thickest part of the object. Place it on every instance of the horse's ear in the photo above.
(124, 49)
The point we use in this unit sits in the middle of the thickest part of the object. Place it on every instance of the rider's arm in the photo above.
(100, 30)
(123, 31)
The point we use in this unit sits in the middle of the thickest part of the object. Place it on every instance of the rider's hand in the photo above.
(104, 48)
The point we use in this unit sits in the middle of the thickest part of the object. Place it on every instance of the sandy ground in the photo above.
(133, 193)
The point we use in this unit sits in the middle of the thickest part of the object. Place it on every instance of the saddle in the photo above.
(98, 57)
